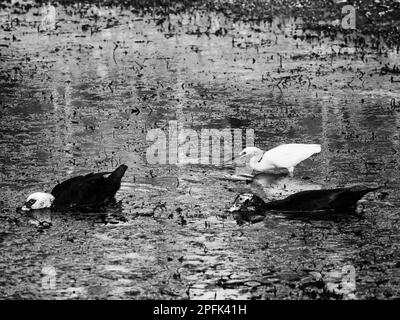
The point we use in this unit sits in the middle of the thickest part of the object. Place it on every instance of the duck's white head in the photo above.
(38, 200)
(240, 201)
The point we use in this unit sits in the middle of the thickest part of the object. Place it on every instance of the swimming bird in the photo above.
(284, 156)
(82, 192)
(339, 200)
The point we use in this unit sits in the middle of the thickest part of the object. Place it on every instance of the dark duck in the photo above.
(90, 191)
(339, 200)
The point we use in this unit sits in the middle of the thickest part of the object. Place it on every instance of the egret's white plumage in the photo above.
(284, 156)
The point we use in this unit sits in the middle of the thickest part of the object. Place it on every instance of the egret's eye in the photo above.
(32, 201)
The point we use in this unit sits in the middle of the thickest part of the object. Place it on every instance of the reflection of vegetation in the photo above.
(380, 18)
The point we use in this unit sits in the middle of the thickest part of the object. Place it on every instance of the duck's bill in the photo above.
(234, 208)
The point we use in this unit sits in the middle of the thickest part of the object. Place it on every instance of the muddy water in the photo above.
(83, 97)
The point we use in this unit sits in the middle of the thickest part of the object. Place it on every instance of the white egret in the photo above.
(284, 156)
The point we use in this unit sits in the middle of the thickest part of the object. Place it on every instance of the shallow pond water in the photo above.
(84, 97)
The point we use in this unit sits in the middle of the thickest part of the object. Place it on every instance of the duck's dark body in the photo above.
(90, 191)
(317, 200)
(251, 208)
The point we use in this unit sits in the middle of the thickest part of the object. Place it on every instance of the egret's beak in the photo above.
(234, 159)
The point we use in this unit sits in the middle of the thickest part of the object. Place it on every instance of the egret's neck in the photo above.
(260, 163)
